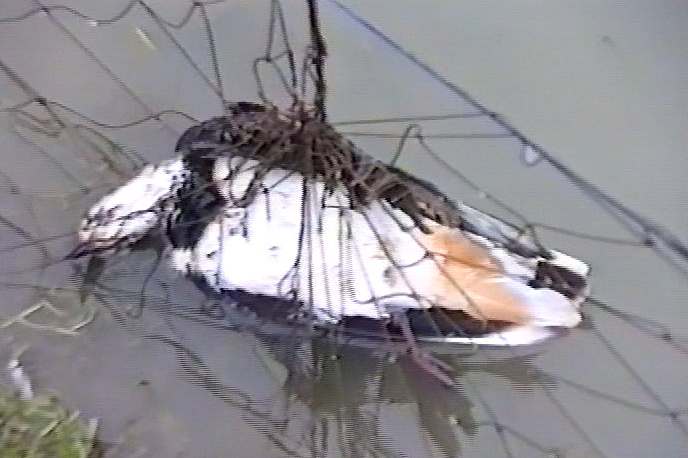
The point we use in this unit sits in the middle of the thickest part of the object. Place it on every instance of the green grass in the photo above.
(41, 427)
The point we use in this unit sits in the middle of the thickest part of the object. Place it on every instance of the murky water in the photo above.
(170, 374)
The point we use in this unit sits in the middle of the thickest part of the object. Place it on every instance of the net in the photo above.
(174, 369)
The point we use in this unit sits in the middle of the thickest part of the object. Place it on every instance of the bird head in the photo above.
(130, 212)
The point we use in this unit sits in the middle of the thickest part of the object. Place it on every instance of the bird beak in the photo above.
(86, 248)
(82, 249)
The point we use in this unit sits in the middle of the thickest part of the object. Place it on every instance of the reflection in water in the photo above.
(328, 398)
(172, 372)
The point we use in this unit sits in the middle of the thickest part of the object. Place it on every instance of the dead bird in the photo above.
(279, 204)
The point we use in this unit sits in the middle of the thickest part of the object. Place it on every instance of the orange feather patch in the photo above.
(469, 279)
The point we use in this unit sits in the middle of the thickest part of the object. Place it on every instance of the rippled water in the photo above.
(85, 104)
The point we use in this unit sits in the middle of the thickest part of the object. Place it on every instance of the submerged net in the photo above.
(172, 369)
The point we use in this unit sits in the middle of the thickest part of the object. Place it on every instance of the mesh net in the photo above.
(92, 93)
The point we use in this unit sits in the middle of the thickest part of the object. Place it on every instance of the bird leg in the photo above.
(435, 367)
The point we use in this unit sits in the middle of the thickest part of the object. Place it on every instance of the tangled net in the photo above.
(287, 386)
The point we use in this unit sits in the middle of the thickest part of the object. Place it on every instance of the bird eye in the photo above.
(110, 213)
(230, 137)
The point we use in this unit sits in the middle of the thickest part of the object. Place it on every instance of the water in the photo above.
(170, 377)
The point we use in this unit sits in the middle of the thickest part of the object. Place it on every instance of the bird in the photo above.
(263, 203)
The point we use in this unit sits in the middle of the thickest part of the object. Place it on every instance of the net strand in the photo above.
(662, 241)
(649, 234)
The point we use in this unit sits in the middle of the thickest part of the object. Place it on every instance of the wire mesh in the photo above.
(177, 370)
